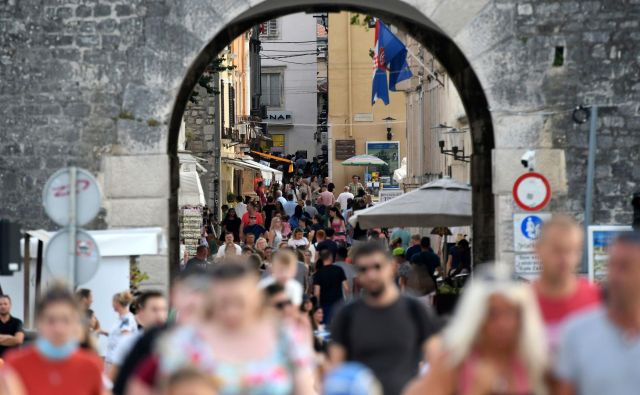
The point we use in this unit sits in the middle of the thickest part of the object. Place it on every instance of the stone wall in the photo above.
(199, 117)
(94, 82)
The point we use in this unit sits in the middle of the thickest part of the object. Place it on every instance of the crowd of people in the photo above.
(291, 299)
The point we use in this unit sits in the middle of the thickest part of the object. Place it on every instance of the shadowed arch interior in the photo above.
(405, 18)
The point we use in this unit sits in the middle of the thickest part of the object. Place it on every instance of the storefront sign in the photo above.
(388, 151)
(388, 194)
(279, 117)
(599, 238)
(363, 117)
(345, 149)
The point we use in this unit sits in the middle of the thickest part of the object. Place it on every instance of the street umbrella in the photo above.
(441, 231)
(364, 160)
(444, 202)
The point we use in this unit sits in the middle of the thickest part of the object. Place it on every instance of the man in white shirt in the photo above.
(283, 271)
(344, 197)
(280, 198)
(229, 248)
(290, 205)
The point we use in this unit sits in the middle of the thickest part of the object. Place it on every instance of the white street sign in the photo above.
(527, 264)
(87, 256)
(526, 229)
(388, 194)
(56, 197)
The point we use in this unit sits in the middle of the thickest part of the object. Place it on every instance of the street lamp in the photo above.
(389, 121)
(457, 143)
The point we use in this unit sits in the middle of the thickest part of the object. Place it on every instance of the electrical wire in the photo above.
(551, 110)
(293, 56)
(285, 50)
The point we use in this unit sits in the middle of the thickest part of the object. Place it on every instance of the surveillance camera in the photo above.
(528, 160)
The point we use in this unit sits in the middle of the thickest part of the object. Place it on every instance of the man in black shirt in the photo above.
(199, 260)
(11, 332)
(329, 284)
(427, 260)
(414, 247)
(325, 242)
(384, 330)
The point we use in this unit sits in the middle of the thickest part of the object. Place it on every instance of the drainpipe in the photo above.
(349, 74)
(421, 132)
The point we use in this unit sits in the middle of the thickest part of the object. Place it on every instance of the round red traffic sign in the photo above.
(532, 191)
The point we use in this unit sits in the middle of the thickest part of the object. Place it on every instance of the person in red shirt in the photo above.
(560, 292)
(54, 364)
(252, 212)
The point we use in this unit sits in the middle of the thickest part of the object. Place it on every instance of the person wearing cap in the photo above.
(351, 378)
(599, 350)
(403, 267)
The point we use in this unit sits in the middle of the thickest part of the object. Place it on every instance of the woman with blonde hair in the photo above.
(126, 324)
(494, 345)
(275, 233)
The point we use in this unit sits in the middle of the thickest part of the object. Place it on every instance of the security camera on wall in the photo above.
(528, 160)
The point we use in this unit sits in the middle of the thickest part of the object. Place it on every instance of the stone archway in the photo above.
(431, 24)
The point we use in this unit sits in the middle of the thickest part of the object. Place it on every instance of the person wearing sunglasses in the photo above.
(384, 330)
(279, 301)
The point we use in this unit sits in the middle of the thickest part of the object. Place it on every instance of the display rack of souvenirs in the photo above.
(191, 227)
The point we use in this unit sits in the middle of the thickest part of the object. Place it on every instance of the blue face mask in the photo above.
(55, 353)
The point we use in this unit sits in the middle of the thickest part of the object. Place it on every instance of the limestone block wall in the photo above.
(94, 83)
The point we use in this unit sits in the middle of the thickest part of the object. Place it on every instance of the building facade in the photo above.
(289, 88)
(355, 125)
(436, 121)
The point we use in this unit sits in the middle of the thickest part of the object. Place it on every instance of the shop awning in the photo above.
(190, 191)
(276, 158)
(267, 172)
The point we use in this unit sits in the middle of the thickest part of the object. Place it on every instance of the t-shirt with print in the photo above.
(404, 325)
(79, 374)
(11, 327)
(273, 374)
(330, 279)
(555, 312)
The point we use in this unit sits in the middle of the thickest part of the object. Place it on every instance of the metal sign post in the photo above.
(71, 198)
(71, 276)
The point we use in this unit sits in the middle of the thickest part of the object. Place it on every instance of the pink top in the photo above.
(518, 370)
(327, 198)
(338, 227)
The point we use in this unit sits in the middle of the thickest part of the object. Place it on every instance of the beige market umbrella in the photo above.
(443, 202)
(364, 160)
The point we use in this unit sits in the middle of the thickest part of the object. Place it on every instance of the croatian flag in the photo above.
(389, 54)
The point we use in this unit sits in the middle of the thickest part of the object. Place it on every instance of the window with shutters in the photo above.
(270, 30)
(272, 90)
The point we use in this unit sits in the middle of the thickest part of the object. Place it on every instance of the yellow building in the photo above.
(351, 115)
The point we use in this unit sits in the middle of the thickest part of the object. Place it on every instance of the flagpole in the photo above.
(425, 67)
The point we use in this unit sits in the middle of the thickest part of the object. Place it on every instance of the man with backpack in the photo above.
(384, 330)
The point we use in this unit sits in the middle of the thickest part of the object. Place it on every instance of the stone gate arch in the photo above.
(430, 22)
